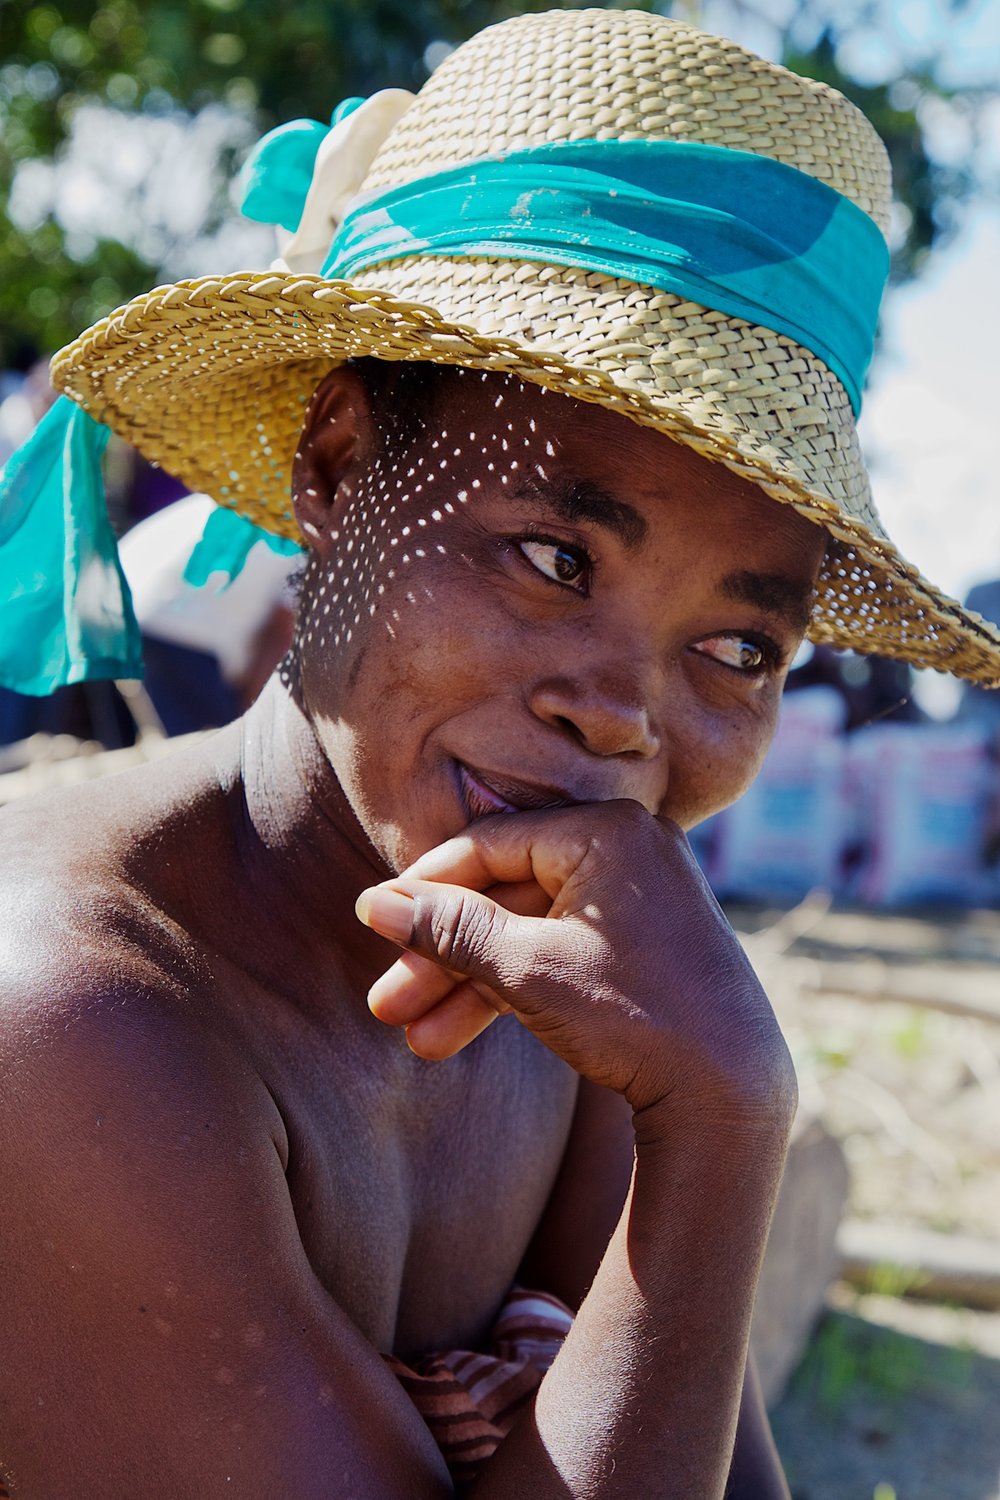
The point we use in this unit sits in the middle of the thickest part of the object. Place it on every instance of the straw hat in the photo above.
(211, 377)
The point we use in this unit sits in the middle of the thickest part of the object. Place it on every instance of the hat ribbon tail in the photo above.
(67, 608)
(225, 544)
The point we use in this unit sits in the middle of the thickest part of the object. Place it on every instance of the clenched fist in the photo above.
(595, 926)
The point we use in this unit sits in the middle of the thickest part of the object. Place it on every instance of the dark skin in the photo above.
(228, 1183)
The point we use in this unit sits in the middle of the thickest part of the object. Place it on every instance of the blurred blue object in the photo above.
(979, 704)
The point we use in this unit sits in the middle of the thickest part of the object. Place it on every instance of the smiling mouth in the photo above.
(484, 795)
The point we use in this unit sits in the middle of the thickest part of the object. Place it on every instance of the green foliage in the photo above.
(910, 1037)
(846, 1355)
(278, 58)
(854, 1364)
(286, 57)
(274, 60)
(48, 297)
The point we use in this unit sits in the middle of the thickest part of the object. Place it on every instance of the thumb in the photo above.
(464, 932)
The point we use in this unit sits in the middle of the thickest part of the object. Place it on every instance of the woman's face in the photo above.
(540, 602)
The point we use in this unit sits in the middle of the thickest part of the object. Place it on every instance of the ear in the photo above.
(336, 443)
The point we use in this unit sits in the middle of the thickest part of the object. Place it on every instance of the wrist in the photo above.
(752, 1121)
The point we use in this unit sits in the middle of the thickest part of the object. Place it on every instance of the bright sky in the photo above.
(930, 421)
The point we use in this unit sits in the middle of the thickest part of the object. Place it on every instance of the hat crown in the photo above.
(628, 75)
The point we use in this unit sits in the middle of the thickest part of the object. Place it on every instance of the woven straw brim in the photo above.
(211, 379)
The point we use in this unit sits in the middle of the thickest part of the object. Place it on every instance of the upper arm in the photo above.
(163, 1331)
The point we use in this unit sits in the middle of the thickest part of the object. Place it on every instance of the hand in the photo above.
(633, 975)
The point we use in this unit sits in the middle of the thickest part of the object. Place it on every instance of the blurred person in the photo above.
(207, 650)
(148, 488)
(91, 712)
(387, 1108)
(24, 407)
(975, 704)
(874, 688)
(19, 359)
(983, 708)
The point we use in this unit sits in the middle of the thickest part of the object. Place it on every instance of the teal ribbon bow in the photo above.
(276, 176)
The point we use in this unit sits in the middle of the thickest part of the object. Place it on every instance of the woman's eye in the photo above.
(562, 564)
(742, 653)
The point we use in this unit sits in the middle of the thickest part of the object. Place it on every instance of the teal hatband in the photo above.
(739, 233)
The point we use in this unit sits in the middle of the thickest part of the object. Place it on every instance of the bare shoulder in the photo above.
(97, 992)
(118, 1086)
(147, 1224)
(86, 953)
(77, 907)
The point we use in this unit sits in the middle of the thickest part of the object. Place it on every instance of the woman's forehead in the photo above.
(441, 517)
(582, 461)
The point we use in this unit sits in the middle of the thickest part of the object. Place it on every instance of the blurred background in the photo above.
(863, 869)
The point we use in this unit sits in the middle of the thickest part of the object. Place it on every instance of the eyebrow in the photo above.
(582, 501)
(786, 597)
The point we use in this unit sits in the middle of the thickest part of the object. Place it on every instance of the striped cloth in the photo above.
(469, 1399)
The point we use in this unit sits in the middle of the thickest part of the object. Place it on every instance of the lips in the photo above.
(485, 793)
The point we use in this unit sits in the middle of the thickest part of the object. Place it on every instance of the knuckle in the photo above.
(626, 813)
(461, 931)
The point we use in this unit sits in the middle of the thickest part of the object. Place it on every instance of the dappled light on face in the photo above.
(387, 526)
(428, 511)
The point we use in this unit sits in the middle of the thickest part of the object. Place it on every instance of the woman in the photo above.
(556, 382)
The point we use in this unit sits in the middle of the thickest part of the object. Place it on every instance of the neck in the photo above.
(306, 855)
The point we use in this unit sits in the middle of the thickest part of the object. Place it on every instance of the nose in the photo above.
(606, 717)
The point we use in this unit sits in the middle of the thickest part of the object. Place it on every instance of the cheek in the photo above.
(715, 765)
(358, 589)
(384, 552)
(438, 638)
(412, 631)
(341, 590)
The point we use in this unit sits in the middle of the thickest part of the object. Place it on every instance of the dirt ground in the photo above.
(896, 1398)
(894, 1401)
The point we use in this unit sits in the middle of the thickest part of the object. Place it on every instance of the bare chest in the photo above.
(417, 1186)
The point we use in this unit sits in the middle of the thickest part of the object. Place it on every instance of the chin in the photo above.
(398, 848)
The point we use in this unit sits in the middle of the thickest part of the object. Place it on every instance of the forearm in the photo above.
(644, 1397)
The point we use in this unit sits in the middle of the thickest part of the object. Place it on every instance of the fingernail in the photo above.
(388, 912)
